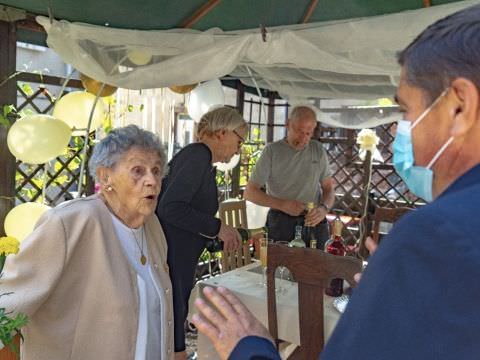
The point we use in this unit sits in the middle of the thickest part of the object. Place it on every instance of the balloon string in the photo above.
(62, 89)
(85, 141)
(262, 105)
(87, 131)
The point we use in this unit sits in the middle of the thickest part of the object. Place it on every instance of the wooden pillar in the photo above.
(236, 171)
(8, 96)
(270, 116)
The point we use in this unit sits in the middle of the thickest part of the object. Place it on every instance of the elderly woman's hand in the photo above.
(230, 237)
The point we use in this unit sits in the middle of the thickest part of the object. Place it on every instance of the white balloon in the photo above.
(21, 220)
(230, 165)
(203, 97)
(36, 139)
(256, 215)
(75, 107)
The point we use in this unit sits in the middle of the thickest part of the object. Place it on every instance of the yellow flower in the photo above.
(368, 140)
(9, 245)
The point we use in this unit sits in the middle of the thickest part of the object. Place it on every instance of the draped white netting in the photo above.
(352, 59)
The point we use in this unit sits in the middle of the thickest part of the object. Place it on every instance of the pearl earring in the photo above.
(108, 188)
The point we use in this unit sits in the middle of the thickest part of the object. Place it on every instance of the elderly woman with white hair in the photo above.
(93, 277)
(189, 202)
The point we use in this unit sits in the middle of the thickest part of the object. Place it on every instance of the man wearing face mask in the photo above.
(418, 298)
(295, 172)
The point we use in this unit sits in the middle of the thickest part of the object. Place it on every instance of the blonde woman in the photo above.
(189, 201)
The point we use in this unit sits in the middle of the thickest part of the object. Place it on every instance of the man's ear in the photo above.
(220, 134)
(465, 106)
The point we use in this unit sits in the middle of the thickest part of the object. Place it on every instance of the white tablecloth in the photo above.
(245, 285)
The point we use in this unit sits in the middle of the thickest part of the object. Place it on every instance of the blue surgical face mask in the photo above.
(419, 179)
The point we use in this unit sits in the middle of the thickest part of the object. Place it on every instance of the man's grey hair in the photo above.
(446, 50)
(222, 118)
(301, 111)
(119, 141)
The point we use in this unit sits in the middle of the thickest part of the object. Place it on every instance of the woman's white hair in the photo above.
(221, 118)
(108, 151)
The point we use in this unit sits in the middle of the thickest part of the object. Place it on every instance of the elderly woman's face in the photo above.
(231, 143)
(136, 181)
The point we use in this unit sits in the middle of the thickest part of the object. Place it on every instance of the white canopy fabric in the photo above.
(352, 59)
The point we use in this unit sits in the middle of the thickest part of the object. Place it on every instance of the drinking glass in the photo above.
(281, 269)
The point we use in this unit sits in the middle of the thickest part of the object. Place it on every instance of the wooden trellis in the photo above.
(60, 178)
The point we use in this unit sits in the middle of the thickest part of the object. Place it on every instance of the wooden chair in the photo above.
(386, 215)
(234, 213)
(313, 270)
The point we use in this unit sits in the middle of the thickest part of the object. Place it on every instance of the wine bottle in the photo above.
(310, 235)
(336, 246)
(297, 240)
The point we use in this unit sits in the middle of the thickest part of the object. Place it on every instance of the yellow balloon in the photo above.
(21, 220)
(36, 139)
(93, 86)
(75, 107)
(139, 57)
(183, 89)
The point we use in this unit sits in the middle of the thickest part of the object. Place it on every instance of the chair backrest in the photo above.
(313, 270)
(386, 215)
(234, 213)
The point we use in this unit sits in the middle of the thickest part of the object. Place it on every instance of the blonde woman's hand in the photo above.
(230, 237)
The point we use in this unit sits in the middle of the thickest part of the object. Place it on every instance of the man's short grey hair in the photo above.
(446, 50)
(119, 141)
(222, 118)
(301, 111)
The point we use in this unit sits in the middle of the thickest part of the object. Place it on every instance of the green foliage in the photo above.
(10, 326)
(26, 88)
(8, 111)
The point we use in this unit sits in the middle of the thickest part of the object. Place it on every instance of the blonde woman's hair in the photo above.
(222, 118)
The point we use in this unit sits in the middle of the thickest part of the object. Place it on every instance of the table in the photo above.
(245, 284)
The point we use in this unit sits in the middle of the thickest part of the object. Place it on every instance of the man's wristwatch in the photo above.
(325, 206)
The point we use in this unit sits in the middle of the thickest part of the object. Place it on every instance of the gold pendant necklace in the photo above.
(143, 258)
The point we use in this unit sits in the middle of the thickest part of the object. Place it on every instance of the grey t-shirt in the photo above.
(292, 174)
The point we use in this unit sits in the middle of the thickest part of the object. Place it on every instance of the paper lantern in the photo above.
(36, 139)
(183, 89)
(205, 96)
(21, 220)
(75, 107)
(139, 57)
(256, 215)
(93, 86)
(230, 165)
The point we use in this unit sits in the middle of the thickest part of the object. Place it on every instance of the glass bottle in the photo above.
(310, 234)
(247, 234)
(297, 240)
(336, 246)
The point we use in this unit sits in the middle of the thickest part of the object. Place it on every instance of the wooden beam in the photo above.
(30, 24)
(310, 9)
(427, 3)
(8, 96)
(199, 13)
(48, 80)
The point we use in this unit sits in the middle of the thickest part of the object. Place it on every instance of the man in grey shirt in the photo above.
(295, 172)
